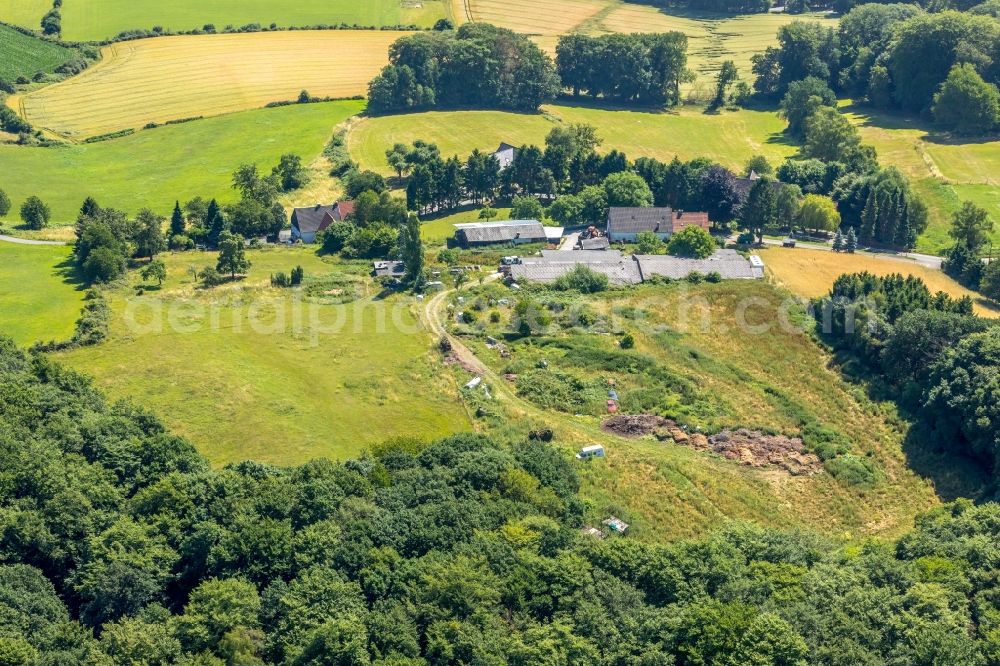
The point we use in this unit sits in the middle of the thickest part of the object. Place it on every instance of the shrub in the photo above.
(853, 470)
(180, 242)
(35, 213)
(583, 279)
(627, 341)
(692, 242)
(104, 264)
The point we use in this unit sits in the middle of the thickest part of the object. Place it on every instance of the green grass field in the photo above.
(944, 170)
(100, 19)
(155, 167)
(40, 296)
(255, 384)
(21, 55)
(25, 13)
(730, 137)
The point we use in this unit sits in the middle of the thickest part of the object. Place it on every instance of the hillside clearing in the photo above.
(253, 385)
(40, 297)
(700, 367)
(21, 55)
(730, 137)
(101, 19)
(156, 167)
(810, 273)
(170, 78)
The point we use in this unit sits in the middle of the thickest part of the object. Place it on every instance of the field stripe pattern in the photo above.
(170, 78)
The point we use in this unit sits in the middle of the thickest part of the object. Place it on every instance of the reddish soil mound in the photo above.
(756, 449)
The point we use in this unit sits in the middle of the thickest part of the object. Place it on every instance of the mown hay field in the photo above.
(811, 273)
(232, 369)
(712, 38)
(40, 295)
(945, 170)
(169, 78)
(21, 55)
(25, 13)
(729, 137)
(100, 19)
(155, 167)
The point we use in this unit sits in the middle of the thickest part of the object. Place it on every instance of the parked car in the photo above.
(788, 242)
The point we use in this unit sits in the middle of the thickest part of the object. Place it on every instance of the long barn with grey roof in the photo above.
(472, 234)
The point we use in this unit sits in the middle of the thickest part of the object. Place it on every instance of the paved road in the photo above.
(28, 241)
(927, 260)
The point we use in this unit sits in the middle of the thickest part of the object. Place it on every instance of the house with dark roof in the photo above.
(625, 223)
(504, 155)
(307, 222)
(514, 232)
(744, 185)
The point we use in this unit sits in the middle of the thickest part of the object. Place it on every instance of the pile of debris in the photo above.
(755, 449)
(748, 447)
(636, 425)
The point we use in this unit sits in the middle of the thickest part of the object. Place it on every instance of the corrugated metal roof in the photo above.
(622, 272)
(576, 256)
(730, 264)
(502, 232)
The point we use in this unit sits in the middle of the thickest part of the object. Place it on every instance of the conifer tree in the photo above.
(215, 222)
(177, 220)
(851, 244)
(838, 241)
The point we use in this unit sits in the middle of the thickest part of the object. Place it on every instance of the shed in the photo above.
(594, 451)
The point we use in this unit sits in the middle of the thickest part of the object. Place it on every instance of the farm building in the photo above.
(730, 264)
(625, 223)
(307, 222)
(474, 234)
(553, 264)
(504, 155)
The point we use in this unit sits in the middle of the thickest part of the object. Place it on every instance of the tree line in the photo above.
(896, 56)
(484, 66)
(122, 545)
(938, 360)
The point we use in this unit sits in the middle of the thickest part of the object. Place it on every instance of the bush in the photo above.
(35, 213)
(4, 203)
(714, 276)
(693, 242)
(104, 264)
(583, 279)
(210, 277)
(627, 341)
(853, 470)
(180, 242)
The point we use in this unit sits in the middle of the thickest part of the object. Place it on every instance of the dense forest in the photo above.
(897, 56)
(121, 546)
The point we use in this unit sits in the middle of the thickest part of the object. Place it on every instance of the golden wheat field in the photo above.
(170, 78)
(530, 17)
(811, 273)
